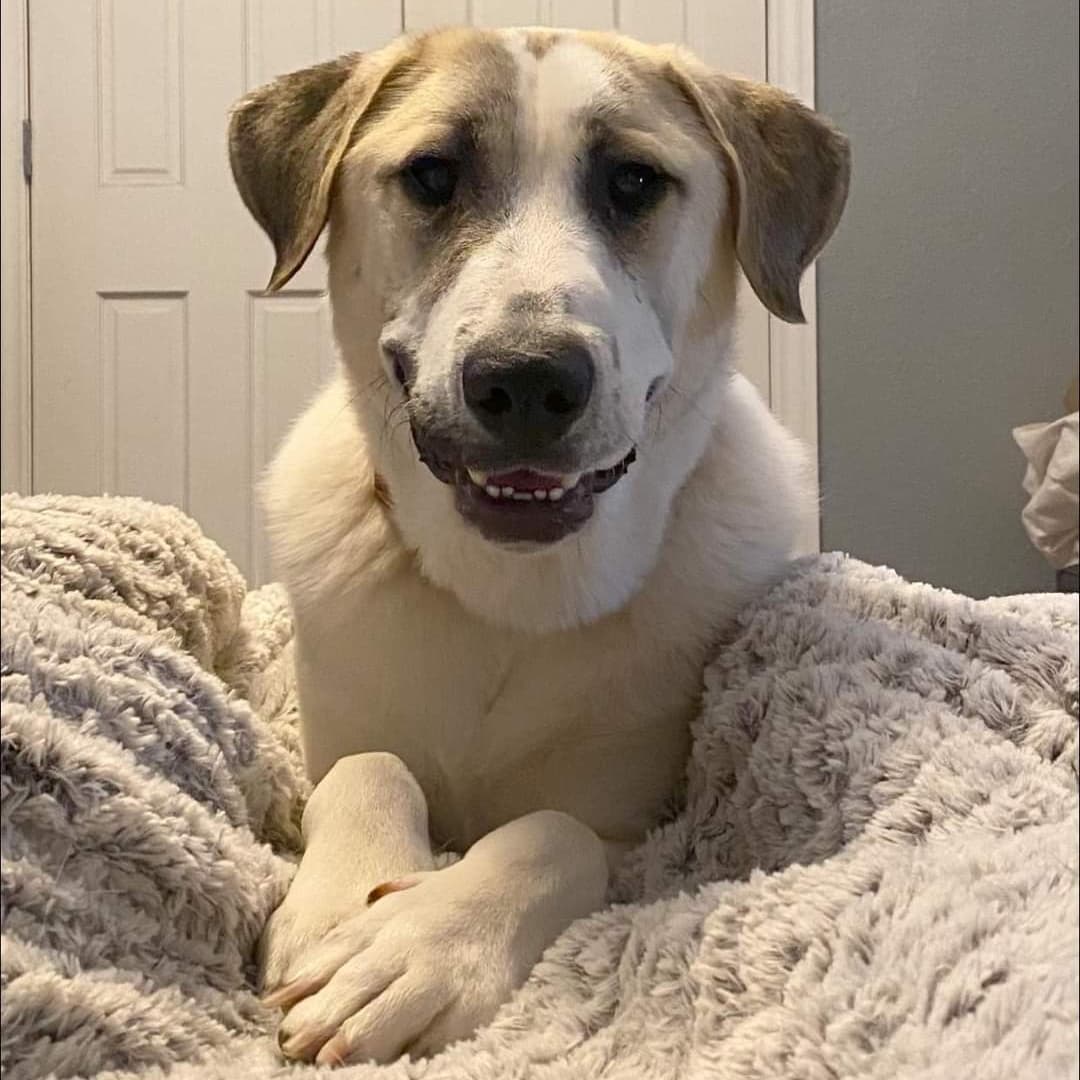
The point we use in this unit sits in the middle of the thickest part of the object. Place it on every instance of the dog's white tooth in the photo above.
(508, 491)
(539, 493)
(523, 496)
(570, 480)
(477, 477)
(493, 491)
(555, 493)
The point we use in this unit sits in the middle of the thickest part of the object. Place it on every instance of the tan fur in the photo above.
(791, 173)
(539, 42)
(286, 141)
(527, 707)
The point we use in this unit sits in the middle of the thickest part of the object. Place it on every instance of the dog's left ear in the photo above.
(286, 140)
(788, 170)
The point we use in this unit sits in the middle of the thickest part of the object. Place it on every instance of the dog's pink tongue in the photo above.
(524, 480)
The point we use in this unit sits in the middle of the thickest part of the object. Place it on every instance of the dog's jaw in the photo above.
(541, 588)
(534, 588)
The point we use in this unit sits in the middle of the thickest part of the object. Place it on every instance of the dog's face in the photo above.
(532, 258)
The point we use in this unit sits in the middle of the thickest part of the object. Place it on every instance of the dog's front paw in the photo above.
(296, 928)
(427, 963)
(343, 859)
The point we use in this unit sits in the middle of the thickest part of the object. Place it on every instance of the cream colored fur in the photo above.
(529, 708)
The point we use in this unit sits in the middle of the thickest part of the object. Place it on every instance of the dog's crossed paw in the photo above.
(299, 925)
(426, 963)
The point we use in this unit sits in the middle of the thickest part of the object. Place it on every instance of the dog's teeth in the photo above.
(556, 493)
(540, 493)
(493, 491)
(569, 481)
(477, 477)
(508, 492)
(523, 496)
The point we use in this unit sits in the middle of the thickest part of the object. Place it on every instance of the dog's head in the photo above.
(532, 252)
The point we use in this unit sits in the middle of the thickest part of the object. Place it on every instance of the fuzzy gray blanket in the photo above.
(874, 874)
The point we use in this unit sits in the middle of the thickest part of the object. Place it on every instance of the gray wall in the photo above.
(947, 301)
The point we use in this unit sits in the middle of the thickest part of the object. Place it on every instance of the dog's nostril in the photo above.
(496, 402)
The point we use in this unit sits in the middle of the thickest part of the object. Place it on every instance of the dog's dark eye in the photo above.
(430, 180)
(635, 187)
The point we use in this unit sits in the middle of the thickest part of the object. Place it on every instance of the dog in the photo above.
(514, 524)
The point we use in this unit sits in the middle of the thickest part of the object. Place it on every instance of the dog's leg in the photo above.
(365, 823)
(426, 965)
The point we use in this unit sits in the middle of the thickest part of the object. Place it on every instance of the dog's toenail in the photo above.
(272, 998)
(301, 1045)
(335, 1052)
(385, 888)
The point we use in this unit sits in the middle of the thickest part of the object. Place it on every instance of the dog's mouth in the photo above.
(525, 505)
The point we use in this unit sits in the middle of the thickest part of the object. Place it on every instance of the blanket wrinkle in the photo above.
(872, 873)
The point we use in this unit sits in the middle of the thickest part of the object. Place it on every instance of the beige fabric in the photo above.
(1052, 477)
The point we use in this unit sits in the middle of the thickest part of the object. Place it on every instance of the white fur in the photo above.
(509, 684)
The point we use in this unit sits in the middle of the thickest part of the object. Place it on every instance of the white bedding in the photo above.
(874, 873)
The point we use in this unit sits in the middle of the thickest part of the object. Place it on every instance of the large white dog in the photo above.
(513, 524)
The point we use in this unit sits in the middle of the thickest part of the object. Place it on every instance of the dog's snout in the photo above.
(528, 398)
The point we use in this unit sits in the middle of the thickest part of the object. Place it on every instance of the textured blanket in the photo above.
(874, 873)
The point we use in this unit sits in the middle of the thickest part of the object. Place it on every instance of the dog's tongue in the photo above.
(525, 480)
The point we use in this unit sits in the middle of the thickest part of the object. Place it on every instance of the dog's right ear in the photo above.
(286, 140)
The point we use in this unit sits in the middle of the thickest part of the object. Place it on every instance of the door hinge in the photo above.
(27, 151)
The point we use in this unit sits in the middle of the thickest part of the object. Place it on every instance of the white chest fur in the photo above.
(495, 724)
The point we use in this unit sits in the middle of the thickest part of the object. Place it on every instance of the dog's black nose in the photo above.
(528, 399)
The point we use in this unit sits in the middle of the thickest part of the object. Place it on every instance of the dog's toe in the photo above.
(382, 1029)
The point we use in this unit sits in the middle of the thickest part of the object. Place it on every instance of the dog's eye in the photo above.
(635, 187)
(430, 180)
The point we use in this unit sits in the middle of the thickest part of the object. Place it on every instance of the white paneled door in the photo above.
(159, 367)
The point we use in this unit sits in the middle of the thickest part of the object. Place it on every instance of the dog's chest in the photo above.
(494, 724)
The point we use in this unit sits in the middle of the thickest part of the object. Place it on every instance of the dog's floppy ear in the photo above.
(286, 140)
(789, 171)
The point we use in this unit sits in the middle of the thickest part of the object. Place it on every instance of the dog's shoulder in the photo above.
(734, 523)
(753, 483)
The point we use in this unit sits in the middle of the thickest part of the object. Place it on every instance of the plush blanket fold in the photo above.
(874, 874)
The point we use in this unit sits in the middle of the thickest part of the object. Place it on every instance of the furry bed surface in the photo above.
(874, 873)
